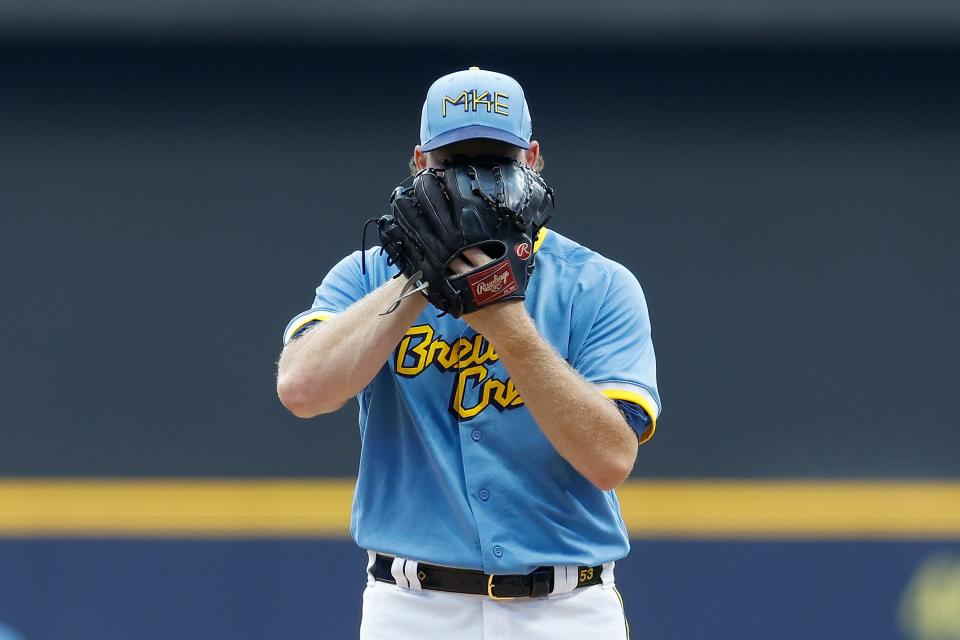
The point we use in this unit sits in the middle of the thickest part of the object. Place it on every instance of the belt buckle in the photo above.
(490, 591)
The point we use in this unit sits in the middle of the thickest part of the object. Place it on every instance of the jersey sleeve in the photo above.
(617, 352)
(342, 286)
(636, 417)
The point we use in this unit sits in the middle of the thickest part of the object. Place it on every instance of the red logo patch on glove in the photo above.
(493, 283)
(522, 250)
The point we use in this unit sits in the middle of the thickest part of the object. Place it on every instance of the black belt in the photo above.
(536, 584)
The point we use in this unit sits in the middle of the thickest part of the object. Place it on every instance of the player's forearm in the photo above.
(584, 426)
(335, 360)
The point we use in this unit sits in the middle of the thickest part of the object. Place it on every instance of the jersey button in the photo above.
(497, 550)
(476, 435)
(484, 494)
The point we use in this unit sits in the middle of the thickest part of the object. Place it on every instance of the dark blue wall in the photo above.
(106, 590)
(791, 213)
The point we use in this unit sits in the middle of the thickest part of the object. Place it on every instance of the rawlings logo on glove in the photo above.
(488, 287)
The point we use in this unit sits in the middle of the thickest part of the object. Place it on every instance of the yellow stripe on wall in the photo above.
(230, 508)
(813, 509)
(176, 508)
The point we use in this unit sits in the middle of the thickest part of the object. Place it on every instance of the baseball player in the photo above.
(496, 419)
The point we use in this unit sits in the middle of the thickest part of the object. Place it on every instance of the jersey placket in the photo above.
(475, 476)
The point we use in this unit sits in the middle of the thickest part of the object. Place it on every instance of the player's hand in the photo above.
(491, 319)
(468, 260)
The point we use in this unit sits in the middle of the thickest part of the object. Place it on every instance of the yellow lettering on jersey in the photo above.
(508, 396)
(421, 351)
(473, 373)
(420, 348)
(503, 395)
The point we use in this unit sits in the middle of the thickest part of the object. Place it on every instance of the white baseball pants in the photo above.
(404, 611)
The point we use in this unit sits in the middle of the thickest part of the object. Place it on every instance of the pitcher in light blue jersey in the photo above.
(491, 443)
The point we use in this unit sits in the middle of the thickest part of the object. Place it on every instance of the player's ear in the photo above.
(531, 155)
(419, 158)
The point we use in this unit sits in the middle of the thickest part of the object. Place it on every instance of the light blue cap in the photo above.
(472, 104)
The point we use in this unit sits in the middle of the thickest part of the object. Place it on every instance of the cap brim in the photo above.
(474, 132)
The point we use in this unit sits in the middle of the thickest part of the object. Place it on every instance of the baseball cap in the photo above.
(472, 104)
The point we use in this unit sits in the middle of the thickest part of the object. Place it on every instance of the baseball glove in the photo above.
(498, 206)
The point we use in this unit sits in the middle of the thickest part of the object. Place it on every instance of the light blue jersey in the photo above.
(453, 468)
